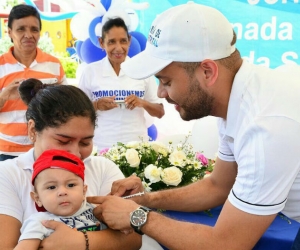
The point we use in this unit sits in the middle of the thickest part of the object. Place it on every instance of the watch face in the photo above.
(138, 217)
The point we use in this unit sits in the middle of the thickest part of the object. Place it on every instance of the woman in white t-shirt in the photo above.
(120, 101)
(59, 117)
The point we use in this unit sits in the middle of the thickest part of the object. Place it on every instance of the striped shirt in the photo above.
(13, 128)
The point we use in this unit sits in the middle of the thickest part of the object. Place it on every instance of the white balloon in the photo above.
(98, 29)
(123, 4)
(80, 5)
(110, 14)
(134, 19)
(138, 6)
(80, 24)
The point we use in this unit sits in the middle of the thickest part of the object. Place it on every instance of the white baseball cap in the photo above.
(185, 33)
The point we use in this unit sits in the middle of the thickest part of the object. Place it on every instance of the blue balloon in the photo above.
(106, 4)
(78, 45)
(94, 38)
(140, 37)
(91, 53)
(134, 48)
(152, 132)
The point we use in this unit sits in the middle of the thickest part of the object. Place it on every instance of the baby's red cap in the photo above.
(54, 158)
(57, 159)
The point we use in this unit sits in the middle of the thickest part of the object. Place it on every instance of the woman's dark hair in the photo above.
(51, 105)
(21, 11)
(115, 22)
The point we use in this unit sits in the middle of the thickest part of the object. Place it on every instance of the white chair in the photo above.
(205, 136)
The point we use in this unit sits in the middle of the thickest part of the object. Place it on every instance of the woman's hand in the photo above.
(63, 237)
(133, 101)
(10, 92)
(105, 103)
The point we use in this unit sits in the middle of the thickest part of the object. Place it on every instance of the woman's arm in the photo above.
(153, 109)
(9, 232)
(10, 92)
(64, 237)
(105, 103)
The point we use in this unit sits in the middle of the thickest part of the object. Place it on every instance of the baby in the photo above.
(59, 194)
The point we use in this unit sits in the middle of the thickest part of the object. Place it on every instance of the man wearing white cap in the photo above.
(191, 50)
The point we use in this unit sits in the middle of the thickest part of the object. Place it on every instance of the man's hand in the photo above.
(127, 186)
(114, 211)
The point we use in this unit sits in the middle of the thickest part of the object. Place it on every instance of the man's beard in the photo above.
(198, 104)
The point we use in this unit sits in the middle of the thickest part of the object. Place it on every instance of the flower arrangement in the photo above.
(158, 165)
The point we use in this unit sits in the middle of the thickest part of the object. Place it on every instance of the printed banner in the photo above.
(268, 31)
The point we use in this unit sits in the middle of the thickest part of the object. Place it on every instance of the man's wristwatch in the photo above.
(138, 218)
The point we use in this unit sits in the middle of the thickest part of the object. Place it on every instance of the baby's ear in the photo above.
(85, 187)
(35, 198)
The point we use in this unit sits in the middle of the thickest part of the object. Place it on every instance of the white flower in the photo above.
(153, 173)
(145, 144)
(197, 165)
(158, 146)
(172, 176)
(133, 144)
(187, 161)
(146, 186)
(177, 158)
(164, 152)
(115, 157)
(113, 149)
(179, 146)
(159, 165)
(194, 179)
(122, 150)
(132, 157)
(189, 167)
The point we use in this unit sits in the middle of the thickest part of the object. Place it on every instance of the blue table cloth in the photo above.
(279, 236)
